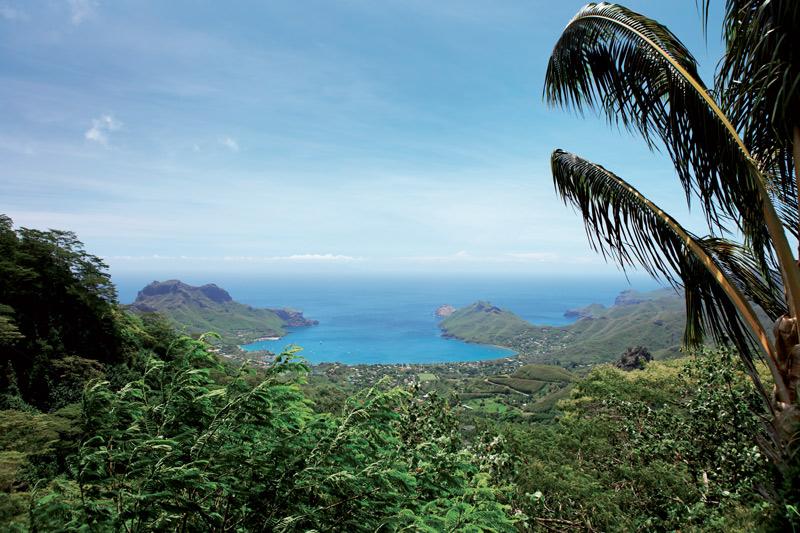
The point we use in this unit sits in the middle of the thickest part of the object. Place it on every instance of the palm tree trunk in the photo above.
(796, 157)
(787, 351)
(787, 342)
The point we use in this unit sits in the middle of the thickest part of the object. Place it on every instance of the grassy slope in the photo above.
(656, 322)
(229, 319)
(527, 386)
(547, 373)
(484, 323)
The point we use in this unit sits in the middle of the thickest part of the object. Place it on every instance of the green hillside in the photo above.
(484, 323)
(548, 373)
(656, 323)
(209, 308)
(653, 319)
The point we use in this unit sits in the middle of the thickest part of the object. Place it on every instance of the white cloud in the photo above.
(80, 10)
(304, 258)
(321, 257)
(11, 13)
(100, 129)
(465, 257)
(535, 257)
(230, 143)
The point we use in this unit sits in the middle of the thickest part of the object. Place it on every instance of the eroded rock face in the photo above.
(486, 307)
(294, 318)
(628, 297)
(634, 359)
(188, 292)
(584, 312)
(216, 294)
(444, 311)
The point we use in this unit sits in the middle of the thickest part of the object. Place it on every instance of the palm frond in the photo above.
(624, 225)
(742, 269)
(787, 208)
(643, 78)
(759, 81)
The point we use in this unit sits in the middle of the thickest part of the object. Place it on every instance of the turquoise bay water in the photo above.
(391, 320)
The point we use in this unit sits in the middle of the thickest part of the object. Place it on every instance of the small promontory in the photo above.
(211, 308)
(483, 323)
(444, 311)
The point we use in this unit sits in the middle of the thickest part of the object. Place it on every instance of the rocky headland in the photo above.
(211, 308)
(444, 311)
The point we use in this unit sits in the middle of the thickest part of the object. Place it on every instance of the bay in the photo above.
(390, 319)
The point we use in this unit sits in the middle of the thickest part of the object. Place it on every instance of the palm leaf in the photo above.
(742, 269)
(759, 81)
(643, 78)
(624, 225)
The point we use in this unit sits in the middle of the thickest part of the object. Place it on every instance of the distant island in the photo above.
(653, 319)
(210, 308)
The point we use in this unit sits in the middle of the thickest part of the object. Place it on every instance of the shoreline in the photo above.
(510, 356)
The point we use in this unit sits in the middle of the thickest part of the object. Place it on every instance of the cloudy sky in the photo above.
(294, 136)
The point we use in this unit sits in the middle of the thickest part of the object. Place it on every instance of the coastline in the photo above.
(450, 336)
(509, 354)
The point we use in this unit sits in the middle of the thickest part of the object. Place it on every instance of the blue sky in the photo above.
(296, 136)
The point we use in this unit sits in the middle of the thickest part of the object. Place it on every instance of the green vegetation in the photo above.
(196, 310)
(668, 448)
(179, 450)
(488, 405)
(61, 325)
(654, 319)
(654, 322)
(484, 323)
(114, 421)
(542, 387)
(548, 373)
(525, 386)
(162, 434)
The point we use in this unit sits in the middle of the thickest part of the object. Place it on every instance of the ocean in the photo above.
(370, 320)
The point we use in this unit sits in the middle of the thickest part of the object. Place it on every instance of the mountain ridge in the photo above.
(199, 309)
(601, 334)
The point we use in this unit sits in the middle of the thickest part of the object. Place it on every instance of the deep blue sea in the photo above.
(391, 319)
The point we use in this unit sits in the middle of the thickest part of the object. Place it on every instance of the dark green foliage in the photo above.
(670, 447)
(33, 446)
(60, 325)
(759, 80)
(9, 333)
(61, 302)
(174, 450)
